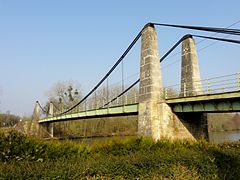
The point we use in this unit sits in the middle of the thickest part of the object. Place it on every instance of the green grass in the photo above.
(135, 158)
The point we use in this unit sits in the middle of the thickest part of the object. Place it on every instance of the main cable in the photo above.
(108, 73)
(219, 39)
(209, 29)
(203, 41)
(43, 110)
(168, 52)
(54, 105)
(202, 28)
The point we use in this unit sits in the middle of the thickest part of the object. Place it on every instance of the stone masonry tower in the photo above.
(34, 126)
(47, 129)
(196, 123)
(50, 125)
(155, 117)
(190, 74)
(150, 92)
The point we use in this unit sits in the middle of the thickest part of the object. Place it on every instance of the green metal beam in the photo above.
(225, 102)
(207, 106)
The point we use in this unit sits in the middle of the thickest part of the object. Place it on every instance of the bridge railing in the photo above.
(111, 101)
(101, 99)
(215, 85)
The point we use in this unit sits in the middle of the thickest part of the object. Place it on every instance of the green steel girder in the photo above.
(223, 105)
(224, 102)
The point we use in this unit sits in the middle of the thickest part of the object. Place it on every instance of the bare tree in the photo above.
(110, 96)
(64, 95)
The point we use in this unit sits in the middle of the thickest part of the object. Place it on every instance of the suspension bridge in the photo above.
(175, 112)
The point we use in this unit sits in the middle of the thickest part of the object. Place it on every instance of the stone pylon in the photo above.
(51, 125)
(191, 85)
(47, 129)
(34, 126)
(150, 84)
(190, 73)
(50, 110)
(155, 118)
(36, 111)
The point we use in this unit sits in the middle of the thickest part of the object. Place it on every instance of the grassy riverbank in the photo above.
(26, 158)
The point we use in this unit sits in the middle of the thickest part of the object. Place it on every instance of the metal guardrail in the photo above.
(100, 100)
(215, 85)
(118, 110)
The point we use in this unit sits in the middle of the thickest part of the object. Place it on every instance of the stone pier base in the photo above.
(171, 126)
(196, 124)
(46, 130)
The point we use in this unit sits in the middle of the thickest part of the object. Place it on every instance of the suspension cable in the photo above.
(108, 73)
(126, 90)
(55, 106)
(203, 41)
(233, 24)
(209, 29)
(175, 45)
(43, 110)
(218, 39)
(202, 28)
(169, 51)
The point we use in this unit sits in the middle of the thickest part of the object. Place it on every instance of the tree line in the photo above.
(64, 95)
(8, 120)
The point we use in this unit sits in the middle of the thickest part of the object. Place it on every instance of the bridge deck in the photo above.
(224, 102)
(105, 112)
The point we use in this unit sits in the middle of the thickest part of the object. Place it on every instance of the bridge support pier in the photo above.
(150, 85)
(191, 85)
(156, 118)
(190, 74)
(33, 130)
(195, 123)
(47, 129)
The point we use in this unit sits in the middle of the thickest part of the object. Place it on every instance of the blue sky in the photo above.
(44, 42)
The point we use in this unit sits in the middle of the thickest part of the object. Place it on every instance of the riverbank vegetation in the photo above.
(8, 120)
(26, 158)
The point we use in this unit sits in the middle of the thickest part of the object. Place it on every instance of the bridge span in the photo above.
(174, 112)
(209, 103)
